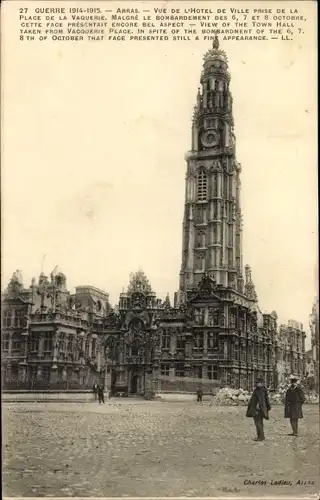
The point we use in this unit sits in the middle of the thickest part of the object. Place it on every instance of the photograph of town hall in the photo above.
(212, 332)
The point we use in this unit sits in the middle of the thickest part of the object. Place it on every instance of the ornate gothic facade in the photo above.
(212, 226)
(215, 331)
(51, 338)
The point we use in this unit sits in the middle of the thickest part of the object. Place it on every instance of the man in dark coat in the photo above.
(101, 393)
(199, 394)
(258, 408)
(293, 404)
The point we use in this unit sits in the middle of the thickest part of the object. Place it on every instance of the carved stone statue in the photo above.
(215, 43)
(207, 285)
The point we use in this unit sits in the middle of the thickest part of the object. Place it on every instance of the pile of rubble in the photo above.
(312, 398)
(231, 397)
(240, 397)
(278, 396)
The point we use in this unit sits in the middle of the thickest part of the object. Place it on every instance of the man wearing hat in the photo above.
(258, 408)
(293, 404)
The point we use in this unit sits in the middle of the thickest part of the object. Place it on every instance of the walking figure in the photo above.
(258, 408)
(100, 393)
(95, 391)
(293, 404)
(199, 395)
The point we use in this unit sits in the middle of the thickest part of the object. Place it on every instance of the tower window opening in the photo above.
(202, 186)
(209, 123)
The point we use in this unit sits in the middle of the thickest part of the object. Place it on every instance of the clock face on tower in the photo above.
(210, 139)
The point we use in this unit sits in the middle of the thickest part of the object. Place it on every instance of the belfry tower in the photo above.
(212, 225)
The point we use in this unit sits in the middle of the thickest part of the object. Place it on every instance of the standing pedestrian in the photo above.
(199, 394)
(258, 408)
(101, 393)
(293, 404)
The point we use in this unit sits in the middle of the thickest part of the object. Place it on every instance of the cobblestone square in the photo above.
(139, 448)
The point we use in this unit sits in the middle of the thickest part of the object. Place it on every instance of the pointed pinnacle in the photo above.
(215, 43)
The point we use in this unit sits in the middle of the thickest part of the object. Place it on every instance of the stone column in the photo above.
(206, 316)
(173, 343)
(22, 373)
(41, 342)
(107, 380)
(225, 350)
(219, 210)
(81, 376)
(189, 190)
(90, 348)
(219, 185)
(10, 347)
(55, 347)
(54, 374)
(205, 370)
(205, 342)
(148, 383)
(234, 252)
(156, 380)
(194, 137)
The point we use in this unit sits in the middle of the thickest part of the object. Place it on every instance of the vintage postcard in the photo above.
(160, 314)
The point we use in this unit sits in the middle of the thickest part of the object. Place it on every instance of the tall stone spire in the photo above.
(212, 226)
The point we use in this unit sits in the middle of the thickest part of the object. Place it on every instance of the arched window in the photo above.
(202, 186)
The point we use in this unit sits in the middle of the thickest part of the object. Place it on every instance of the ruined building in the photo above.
(290, 351)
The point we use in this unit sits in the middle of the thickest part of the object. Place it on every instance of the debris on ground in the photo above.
(239, 397)
(233, 397)
(278, 396)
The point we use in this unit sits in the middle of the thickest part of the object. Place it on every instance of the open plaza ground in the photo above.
(142, 448)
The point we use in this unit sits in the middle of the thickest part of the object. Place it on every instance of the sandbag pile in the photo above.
(231, 397)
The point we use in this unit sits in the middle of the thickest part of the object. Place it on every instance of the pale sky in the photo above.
(93, 143)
